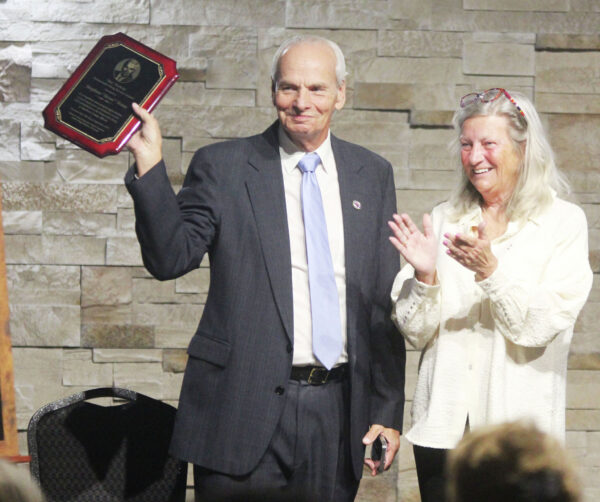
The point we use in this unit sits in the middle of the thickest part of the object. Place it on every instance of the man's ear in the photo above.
(273, 91)
(341, 96)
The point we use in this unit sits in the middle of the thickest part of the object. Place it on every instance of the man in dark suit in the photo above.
(287, 378)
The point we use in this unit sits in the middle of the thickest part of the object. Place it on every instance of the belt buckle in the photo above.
(318, 376)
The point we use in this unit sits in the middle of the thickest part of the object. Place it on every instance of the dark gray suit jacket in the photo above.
(232, 206)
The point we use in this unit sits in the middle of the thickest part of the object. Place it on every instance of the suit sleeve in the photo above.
(175, 231)
(388, 353)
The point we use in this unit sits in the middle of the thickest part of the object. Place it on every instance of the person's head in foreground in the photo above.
(512, 462)
(16, 485)
(506, 158)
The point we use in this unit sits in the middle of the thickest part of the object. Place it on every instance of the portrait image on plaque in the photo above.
(93, 108)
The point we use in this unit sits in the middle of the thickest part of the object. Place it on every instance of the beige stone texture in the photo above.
(15, 72)
(449, 16)
(172, 156)
(174, 360)
(196, 94)
(87, 224)
(568, 72)
(583, 389)
(413, 14)
(584, 361)
(45, 325)
(429, 149)
(125, 222)
(175, 337)
(28, 172)
(38, 380)
(58, 250)
(574, 139)
(57, 197)
(214, 121)
(231, 54)
(102, 334)
(357, 14)
(22, 222)
(120, 314)
(409, 70)
(105, 286)
(419, 44)
(219, 12)
(196, 282)
(584, 5)
(180, 315)
(123, 251)
(129, 11)
(43, 284)
(81, 167)
(557, 102)
(9, 149)
(517, 5)
(391, 96)
(583, 420)
(80, 370)
(498, 59)
(572, 42)
(137, 355)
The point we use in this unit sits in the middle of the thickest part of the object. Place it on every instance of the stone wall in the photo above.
(85, 313)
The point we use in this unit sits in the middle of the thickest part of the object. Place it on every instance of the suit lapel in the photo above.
(353, 196)
(267, 197)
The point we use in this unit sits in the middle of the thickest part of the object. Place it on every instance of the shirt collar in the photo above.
(290, 154)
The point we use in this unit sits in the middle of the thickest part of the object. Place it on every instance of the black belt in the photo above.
(318, 375)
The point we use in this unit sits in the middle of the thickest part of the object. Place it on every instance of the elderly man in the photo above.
(295, 366)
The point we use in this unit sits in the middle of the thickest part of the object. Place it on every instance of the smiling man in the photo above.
(295, 365)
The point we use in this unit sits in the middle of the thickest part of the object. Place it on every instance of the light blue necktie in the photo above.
(324, 301)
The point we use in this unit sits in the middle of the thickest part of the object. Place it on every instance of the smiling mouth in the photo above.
(481, 171)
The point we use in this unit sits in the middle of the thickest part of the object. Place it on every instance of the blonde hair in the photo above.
(538, 178)
(513, 462)
(17, 485)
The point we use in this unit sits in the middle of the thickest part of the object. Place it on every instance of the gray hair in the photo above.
(538, 176)
(340, 62)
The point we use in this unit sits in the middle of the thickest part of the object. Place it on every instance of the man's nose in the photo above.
(302, 100)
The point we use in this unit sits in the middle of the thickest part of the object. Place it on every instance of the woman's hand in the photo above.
(474, 253)
(417, 248)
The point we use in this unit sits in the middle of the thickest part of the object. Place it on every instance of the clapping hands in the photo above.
(416, 247)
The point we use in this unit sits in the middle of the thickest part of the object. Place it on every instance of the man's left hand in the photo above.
(393, 439)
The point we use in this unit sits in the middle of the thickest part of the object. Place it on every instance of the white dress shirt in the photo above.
(496, 350)
(327, 178)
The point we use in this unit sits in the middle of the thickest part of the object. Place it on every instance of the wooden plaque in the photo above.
(93, 108)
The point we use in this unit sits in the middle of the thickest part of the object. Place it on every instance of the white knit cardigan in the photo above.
(497, 349)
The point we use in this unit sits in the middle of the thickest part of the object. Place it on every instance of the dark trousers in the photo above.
(307, 460)
(431, 464)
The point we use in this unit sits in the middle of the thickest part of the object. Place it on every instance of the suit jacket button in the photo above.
(279, 391)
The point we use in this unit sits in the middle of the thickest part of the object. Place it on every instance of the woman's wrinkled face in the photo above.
(489, 157)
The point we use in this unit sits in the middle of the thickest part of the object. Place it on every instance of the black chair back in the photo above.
(82, 451)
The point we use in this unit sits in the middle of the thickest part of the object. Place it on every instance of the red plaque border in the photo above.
(111, 145)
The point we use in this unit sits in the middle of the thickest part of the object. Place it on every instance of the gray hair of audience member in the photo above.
(16, 485)
(340, 61)
(538, 177)
(513, 462)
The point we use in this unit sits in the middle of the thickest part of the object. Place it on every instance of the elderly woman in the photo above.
(492, 286)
